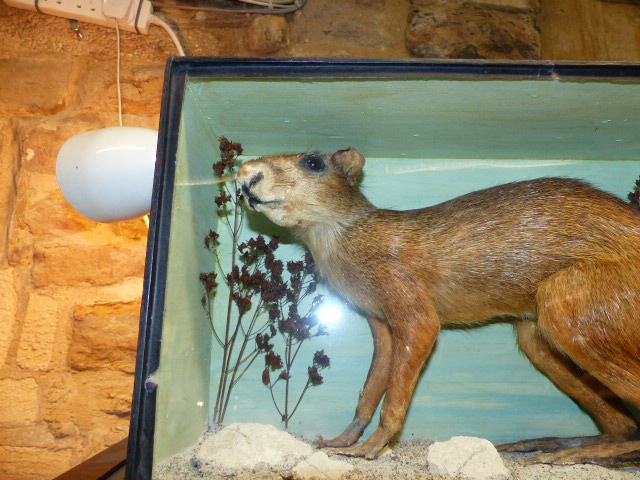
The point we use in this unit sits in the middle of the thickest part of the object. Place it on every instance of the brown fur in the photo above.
(557, 255)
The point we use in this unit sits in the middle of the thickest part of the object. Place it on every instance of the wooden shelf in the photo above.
(106, 465)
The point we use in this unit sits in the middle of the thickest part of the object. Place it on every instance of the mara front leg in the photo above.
(374, 388)
(413, 340)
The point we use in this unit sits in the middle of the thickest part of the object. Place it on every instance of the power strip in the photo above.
(132, 15)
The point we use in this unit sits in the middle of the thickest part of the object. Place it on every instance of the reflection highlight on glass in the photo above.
(330, 313)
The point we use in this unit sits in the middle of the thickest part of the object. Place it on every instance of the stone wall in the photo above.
(70, 288)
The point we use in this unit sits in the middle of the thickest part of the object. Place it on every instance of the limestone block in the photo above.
(90, 406)
(40, 149)
(25, 89)
(35, 351)
(43, 211)
(467, 458)
(93, 87)
(8, 311)
(34, 435)
(20, 246)
(9, 162)
(47, 213)
(19, 463)
(245, 445)
(268, 34)
(87, 264)
(456, 29)
(105, 336)
(131, 233)
(360, 28)
(19, 400)
(142, 90)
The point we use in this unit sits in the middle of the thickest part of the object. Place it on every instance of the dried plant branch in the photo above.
(258, 296)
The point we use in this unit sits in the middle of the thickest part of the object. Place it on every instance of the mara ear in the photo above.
(349, 162)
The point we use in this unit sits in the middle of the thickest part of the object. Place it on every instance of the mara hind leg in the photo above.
(374, 387)
(604, 406)
(591, 313)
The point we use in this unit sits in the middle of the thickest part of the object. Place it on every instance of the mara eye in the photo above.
(312, 162)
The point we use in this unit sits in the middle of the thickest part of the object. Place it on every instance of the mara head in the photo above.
(304, 189)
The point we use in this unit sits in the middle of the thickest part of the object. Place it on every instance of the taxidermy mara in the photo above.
(559, 257)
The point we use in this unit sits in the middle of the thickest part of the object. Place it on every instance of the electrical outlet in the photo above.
(132, 15)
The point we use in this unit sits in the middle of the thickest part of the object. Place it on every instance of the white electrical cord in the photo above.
(157, 21)
(118, 71)
(161, 23)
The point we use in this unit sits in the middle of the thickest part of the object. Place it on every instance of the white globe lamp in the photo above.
(107, 174)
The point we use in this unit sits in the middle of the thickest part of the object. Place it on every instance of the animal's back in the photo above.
(485, 253)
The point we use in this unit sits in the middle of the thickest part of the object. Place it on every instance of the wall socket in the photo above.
(132, 15)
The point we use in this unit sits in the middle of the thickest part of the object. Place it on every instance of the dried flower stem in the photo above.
(256, 273)
(295, 330)
(229, 342)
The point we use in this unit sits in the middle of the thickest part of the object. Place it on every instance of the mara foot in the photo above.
(361, 450)
(370, 448)
(346, 438)
(596, 450)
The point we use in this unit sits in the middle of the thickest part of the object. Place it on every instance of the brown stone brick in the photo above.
(35, 351)
(105, 336)
(142, 87)
(8, 311)
(20, 245)
(19, 400)
(32, 463)
(36, 435)
(26, 88)
(459, 29)
(42, 144)
(44, 209)
(40, 150)
(93, 86)
(94, 403)
(9, 161)
(269, 34)
(87, 264)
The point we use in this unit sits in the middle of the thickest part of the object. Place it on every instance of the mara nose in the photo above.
(247, 186)
(250, 174)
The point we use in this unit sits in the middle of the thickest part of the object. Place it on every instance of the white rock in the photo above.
(245, 445)
(467, 458)
(319, 466)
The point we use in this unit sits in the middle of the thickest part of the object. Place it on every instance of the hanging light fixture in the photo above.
(107, 174)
